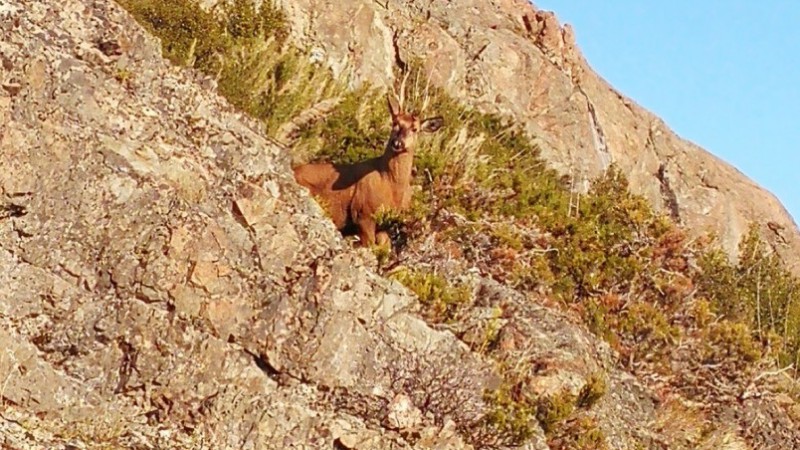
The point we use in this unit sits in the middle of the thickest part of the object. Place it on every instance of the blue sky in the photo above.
(723, 74)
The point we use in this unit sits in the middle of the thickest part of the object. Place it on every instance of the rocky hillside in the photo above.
(165, 283)
(508, 57)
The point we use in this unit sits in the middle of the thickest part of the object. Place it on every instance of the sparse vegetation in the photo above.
(634, 277)
(594, 389)
(244, 48)
(441, 299)
(553, 410)
(730, 342)
(582, 433)
(516, 413)
(124, 76)
(759, 295)
(511, 415)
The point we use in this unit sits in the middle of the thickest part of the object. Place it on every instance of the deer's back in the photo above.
(352, 191)
(321, 180)
(335, 185)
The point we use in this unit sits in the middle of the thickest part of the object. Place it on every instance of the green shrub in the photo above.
(244, 50)
(491, 333)
(583, 433)
(759, 292)
(730, 342)
(594, 389)
(601, 320)
(646, 323)
(243, 20)
(189, 35)
(601, 251)
(718, 282)
(553, 410)
(441, 300)
(587, 435)
(510, 415)
(356, 130)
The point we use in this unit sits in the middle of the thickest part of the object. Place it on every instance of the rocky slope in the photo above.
(506, 56)
(164, 281)
(165, 284)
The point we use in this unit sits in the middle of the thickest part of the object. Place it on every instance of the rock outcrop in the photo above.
(164, 283)
(505, 56)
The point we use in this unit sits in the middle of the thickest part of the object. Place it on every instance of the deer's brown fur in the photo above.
(353, 193)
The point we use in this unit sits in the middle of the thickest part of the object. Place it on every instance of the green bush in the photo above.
(244, 49)
(583, 433)
(356, 130)
(510, 415)
(442, 300)
(189, 35)
(601, 250)
(758, 292)
(594, 389)
(730, 342)
(553, 410)
(646, 323)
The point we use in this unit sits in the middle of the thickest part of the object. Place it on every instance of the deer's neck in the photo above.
(398, 167)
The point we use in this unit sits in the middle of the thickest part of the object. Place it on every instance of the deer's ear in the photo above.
(394, 110)
(432, 124)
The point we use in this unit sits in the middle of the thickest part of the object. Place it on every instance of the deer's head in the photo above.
(406, 127)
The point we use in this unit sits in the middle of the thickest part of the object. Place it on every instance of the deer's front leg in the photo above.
(366, 232)
(382, 238)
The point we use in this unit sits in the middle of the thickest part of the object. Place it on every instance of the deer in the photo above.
(354, 193)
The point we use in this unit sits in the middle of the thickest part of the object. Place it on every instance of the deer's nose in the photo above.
(397, 145)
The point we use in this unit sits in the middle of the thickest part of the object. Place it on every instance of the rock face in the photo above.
(507, 57)
(164, 283)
